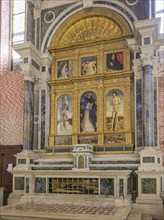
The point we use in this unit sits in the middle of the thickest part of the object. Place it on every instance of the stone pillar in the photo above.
(41, 113)
(28, 112)
(147, 101)
(37, 20)
(1, 195)
(138, 101)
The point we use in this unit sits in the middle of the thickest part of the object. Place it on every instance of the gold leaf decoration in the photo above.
(90, 29)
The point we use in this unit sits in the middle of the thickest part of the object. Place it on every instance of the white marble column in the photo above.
(148, 104)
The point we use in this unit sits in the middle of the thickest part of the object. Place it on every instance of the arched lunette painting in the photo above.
(88, 112)
(64, 118)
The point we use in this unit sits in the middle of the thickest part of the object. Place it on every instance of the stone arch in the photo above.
(73, 10)
(98, 24)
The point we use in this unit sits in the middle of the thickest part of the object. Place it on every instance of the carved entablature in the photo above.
(91, 83)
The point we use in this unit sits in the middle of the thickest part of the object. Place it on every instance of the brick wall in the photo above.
(11, 109)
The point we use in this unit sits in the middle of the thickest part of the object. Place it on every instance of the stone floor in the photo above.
(59, 208)
(62, 211)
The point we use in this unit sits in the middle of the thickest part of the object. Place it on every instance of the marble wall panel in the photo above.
(30, 29)
(121, 187)
(19, 183)
(36, 119)
(27, 184)
(147, 106)
(107, 186)
(155, 113)
(40, 185)
(28, 116)
(43, 118)
(161, 112)
(148, 185)
(139, 112)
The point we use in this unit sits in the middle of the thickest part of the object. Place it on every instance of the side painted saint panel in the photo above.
(88, 112)
(65, 69)
(115, 111)
(114, 61)
(64, 122)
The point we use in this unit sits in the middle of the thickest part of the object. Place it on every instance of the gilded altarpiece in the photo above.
(91, 84)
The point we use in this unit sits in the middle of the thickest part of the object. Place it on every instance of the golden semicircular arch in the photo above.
(89, 29)
(89, 26)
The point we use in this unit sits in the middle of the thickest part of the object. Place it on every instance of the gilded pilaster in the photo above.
(127, 60)
(100, 112)
(53, 67)
(75, 115)
(101, 59)
(76, 63)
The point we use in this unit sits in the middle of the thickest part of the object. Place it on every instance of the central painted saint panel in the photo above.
(88, 112)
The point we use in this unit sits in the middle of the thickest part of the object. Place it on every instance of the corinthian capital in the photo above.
(28, 76)
(147, 59)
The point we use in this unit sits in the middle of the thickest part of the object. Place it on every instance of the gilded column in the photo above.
(147, 100)
(28, 112)
(52, 126)
(75, 116)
